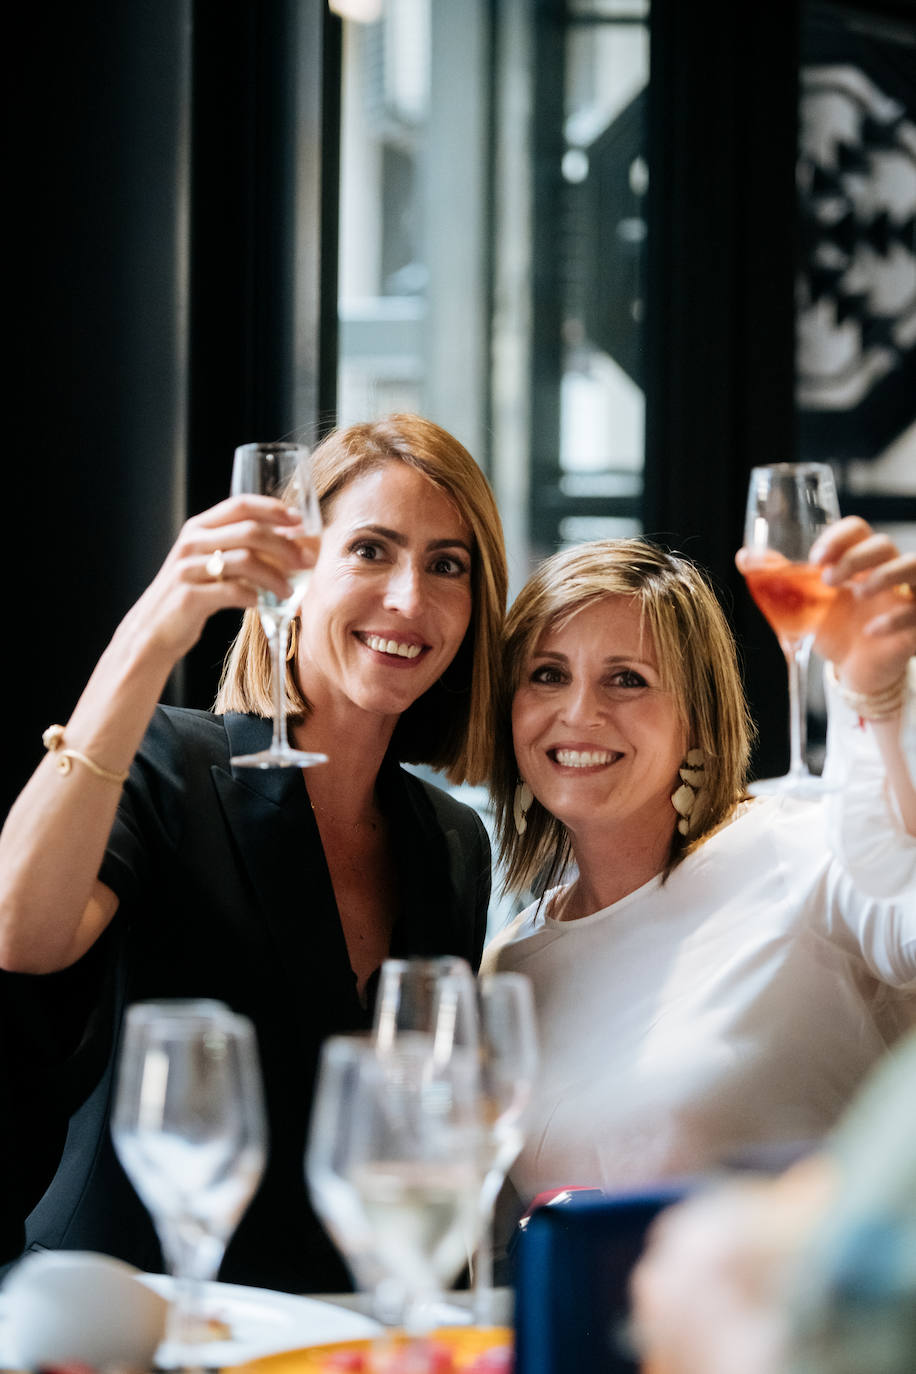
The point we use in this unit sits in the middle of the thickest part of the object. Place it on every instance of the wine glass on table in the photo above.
(427, 1005)
(281, 470)
(509, 1062)
(189, 1129)
(432, 999)
(392, 1164)
(788, 507)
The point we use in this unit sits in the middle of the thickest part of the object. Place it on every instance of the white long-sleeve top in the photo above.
(739, 1003)
(865, 827)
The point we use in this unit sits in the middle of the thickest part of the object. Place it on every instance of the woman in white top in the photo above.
(710, 977)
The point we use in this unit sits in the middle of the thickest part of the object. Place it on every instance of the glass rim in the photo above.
(425, 962)
(274, 446)
(203, 1011)
(789, 468)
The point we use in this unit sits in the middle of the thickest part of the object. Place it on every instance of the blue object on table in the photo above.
(574, 1263)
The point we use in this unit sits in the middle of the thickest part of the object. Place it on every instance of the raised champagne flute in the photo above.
(189, 1128)
(281, 470)
(788, 506)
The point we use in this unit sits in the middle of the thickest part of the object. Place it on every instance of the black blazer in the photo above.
(224, 892)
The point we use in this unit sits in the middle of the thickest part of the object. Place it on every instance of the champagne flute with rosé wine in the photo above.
(788, 507)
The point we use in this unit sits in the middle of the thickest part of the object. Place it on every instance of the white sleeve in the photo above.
(864, 825)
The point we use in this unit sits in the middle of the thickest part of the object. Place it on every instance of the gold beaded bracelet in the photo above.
(53, 740)
(873, 705)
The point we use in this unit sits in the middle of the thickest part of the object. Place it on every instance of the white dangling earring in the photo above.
(523, 799)
(692, 773)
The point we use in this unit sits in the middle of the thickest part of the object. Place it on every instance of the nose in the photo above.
(582, 705)
(403, 590)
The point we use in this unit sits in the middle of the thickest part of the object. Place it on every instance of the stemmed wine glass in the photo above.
(392, 1164)
(788, 506)
(189, 1129)
(281, 470)
(433, 998)
(509, 1062)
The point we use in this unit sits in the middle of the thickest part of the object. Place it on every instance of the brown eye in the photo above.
(449, 566)
(628, 678)
(548, 674)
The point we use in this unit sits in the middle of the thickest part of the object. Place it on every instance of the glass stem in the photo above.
(192, 1258)
(482, 1279)
(277, 632)
(797, 660)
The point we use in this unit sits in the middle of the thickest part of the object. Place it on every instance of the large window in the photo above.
(493, 179)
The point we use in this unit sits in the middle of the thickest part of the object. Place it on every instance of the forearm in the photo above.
(54, 839)
(900, 783)
(872, 807)
(51, 904)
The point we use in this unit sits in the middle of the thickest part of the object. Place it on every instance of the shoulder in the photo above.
(449, 812)
(182, 725)
(510, 945)
(179, 745)
(179, 731)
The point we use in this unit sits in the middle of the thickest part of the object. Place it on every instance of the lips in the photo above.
(394, 648)
(583, 758)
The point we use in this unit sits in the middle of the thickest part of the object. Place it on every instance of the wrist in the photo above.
(882, 704)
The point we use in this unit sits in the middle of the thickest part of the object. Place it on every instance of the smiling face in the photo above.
(389, 601)
(596, 736)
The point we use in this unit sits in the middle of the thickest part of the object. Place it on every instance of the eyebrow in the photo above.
(611, 661)
(402, 540)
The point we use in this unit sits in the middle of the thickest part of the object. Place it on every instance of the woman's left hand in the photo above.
(869, 632)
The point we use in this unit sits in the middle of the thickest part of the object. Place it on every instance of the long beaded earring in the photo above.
(692, 773)
(523, 799)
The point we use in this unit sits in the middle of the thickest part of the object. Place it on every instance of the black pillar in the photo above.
(720, 374)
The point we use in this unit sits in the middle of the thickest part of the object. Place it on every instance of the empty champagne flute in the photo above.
(788, 507)
(508, 1064)
(281, 470)
(392, 1165)
(189, 1129)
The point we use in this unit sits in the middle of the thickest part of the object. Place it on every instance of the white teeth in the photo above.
(391, 646)
(572, 758)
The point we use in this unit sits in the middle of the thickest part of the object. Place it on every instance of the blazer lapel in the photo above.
(428, 924)
(273, 827)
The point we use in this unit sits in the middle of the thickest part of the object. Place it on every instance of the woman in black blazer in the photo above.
(154, 868)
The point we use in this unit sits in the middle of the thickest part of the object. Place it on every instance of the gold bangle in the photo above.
(53, 741)
(873, 705)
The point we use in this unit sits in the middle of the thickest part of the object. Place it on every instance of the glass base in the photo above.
(792, 785)
(278, 758)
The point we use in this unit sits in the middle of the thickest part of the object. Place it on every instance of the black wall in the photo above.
(161, 151)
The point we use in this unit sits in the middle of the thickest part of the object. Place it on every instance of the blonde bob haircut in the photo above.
(698, 664)
(451, 726)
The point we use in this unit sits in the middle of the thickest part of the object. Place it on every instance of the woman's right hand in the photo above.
(870, 630)
(258, 539)
(52, 905)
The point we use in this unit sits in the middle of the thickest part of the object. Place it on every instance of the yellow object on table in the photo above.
(464, 1344)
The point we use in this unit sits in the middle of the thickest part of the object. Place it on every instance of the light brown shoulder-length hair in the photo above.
(452, 725)
(698, 663)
